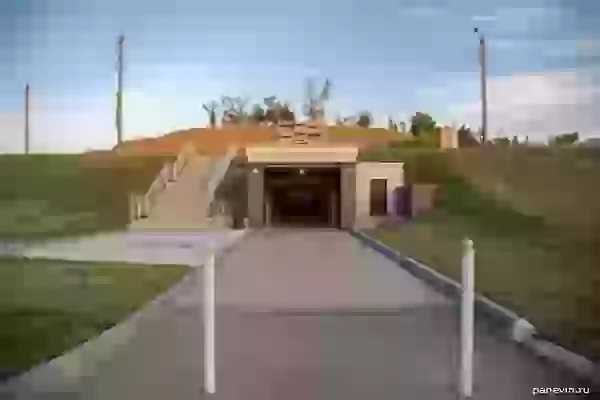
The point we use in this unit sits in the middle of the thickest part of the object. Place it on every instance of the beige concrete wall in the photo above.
(449, 138)
(301, 154)
(348, 195)
(365, 171)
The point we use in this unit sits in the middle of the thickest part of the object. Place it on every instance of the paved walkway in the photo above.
(132, 246)
(301, 315)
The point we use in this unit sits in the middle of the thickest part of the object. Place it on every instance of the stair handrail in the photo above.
(217, 173)
(188, 150)
(168, 170)
(157, 187)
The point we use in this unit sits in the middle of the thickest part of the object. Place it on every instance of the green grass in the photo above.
(421, 164)
(68, 194)
(521, 262)
(534, 216)
(557, 184)
(50, 306)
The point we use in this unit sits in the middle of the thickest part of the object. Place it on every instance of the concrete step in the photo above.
(152, 225)
(182, 205)
(183, 223)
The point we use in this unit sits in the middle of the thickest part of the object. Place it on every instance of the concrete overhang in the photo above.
(301, 154)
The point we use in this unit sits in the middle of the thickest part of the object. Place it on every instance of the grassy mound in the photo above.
(533, 216)
(61, 194)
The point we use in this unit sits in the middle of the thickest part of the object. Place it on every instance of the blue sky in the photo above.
(392, 57)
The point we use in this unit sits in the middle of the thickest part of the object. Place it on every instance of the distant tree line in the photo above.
(235, 110)
(423, 127)
(564, 139)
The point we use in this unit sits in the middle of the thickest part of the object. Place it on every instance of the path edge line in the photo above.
(80, 361)
(505, 322)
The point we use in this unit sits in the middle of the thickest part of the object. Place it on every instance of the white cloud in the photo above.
(11, 132)
(537, 105)
(527, 20)
(422, 11)
(540, 48)
(502, 44)
(486, 18)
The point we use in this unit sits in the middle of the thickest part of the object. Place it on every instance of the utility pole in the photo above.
(483, 82)
(119, 110)
(27, 118)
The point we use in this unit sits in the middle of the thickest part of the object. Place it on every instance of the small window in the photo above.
(378, 197)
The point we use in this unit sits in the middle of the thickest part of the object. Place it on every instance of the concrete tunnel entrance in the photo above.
(302, 196)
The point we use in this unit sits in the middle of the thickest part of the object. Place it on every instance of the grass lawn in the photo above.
(521, 263)
(49, 195)
(50, 306)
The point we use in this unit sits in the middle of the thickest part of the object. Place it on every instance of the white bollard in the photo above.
(467, 319)
(209, 324)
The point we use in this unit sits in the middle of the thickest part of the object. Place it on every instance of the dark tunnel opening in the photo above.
(302, 197)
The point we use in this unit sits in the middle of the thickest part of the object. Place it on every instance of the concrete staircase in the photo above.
(183, 202)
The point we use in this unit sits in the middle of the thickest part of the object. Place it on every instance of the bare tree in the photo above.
(278, 111)
(364, 119)
(257, 114)
(211, 109)
(315, 105)
(286, 113)
(273, 110)
(270, 101)
(234, 109)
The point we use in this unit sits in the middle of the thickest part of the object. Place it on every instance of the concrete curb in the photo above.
(81, 361)
(504, 321)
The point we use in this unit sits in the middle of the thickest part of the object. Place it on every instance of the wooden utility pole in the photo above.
(119, 110)
(483, 82)
(26, 119)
